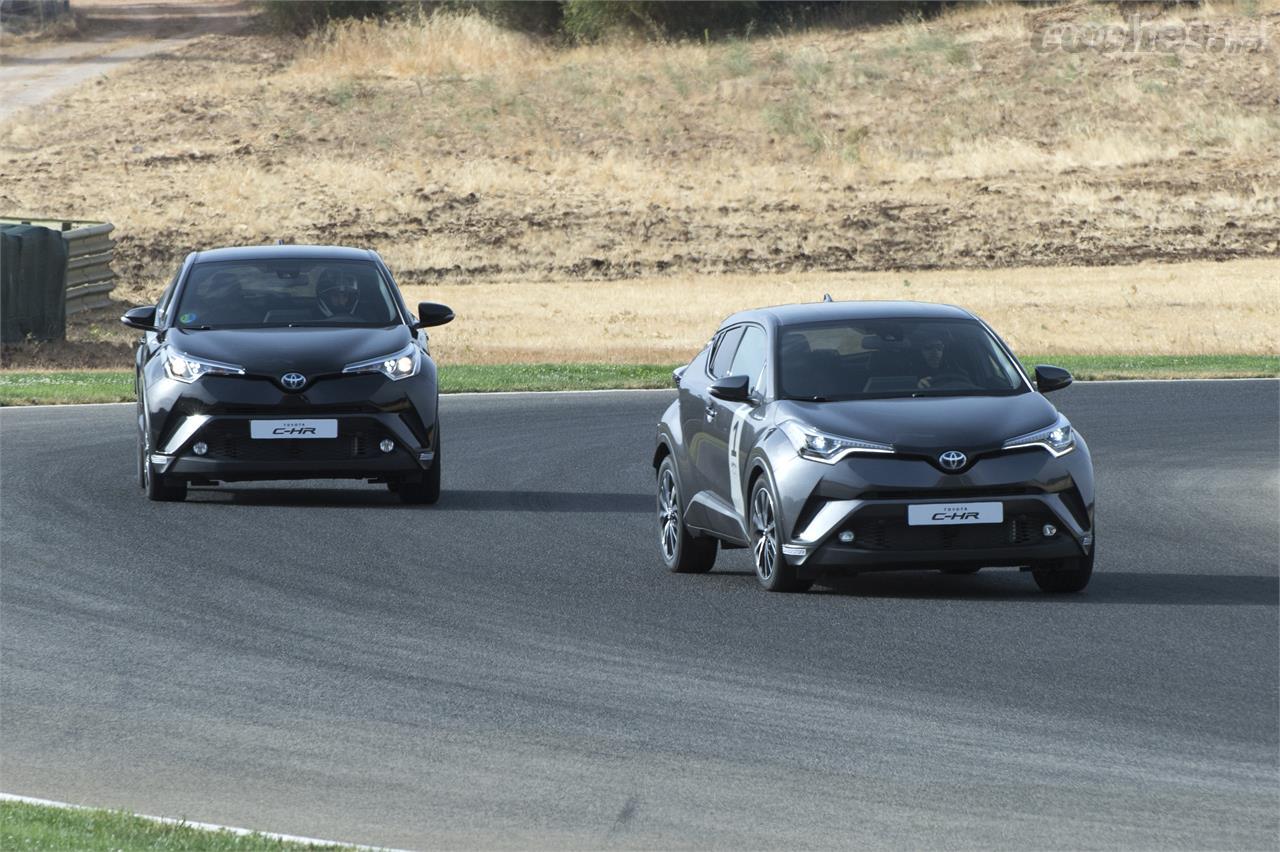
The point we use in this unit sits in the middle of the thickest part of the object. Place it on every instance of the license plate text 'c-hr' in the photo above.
(293, 428)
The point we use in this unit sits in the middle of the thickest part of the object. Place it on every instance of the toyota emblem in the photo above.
(295, 381)
(952, 459)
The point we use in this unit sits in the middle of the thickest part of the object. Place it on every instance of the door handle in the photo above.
(711, 411)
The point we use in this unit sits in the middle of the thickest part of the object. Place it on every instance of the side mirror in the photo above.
(677, 374)
(732, 389)
(433, 313)
(141, 318)
(1051, 378)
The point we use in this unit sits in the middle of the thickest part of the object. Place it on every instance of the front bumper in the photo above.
(868, 497)
(883, 540)
(217, 412)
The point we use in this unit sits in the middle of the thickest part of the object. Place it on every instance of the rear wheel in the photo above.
(1064, 575)
(772, 569)
(682, 552)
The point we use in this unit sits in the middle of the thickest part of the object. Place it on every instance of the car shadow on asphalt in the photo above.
(450, 499)
(336, 497)
(544, 501)
(1107, 587)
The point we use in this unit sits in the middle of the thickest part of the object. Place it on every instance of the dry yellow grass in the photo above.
(466, 153)
(1177, 309)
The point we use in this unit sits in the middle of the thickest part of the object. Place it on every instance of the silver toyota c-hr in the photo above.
(867, 436)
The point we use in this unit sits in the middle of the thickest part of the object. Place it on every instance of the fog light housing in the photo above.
(1049, 530)
(199, 448)
(846, 537)
(386, 445)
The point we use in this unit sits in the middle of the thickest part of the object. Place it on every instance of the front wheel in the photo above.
(425, 489)
(1063, 576)
(158, 487)
(772, 569)
(682, 552)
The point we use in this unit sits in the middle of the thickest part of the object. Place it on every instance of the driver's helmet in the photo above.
(337, 293)
(933, 342)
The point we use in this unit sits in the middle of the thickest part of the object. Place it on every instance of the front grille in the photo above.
(948, 493)
(229, 440)
(894, 533)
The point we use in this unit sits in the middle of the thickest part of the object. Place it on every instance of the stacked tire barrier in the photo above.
(33, 262)
(52, 270)
(40, 11)
(89, 276)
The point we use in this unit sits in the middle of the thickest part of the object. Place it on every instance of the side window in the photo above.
(162, 306)
(750, 357)
(722, 357)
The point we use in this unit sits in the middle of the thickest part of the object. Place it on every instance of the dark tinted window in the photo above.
(723, 355)
(750, 357)
(162, 306)
(264, 293)
(862, 359)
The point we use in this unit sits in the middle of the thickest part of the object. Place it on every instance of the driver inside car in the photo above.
(337, 294)
(934, 364)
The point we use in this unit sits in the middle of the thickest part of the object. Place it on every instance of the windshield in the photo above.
(868, 359)
(274, 293)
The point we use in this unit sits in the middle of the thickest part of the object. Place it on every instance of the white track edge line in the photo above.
(657, 390)
(203, 826)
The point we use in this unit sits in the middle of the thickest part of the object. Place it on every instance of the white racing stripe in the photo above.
(203, 826)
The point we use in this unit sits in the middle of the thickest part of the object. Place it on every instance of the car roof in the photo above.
(282, 252)
(811, 312)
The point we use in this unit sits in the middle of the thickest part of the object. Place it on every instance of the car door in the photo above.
(731, 425)
(708, 452)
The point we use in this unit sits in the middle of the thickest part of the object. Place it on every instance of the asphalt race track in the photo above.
(514, 668)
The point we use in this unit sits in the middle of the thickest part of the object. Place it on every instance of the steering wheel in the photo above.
(947, 379)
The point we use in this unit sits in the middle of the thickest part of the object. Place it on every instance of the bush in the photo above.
(300, 16)
(539, 17)
(587, 20)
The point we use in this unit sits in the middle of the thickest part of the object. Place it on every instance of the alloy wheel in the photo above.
(669, 515)
(765, 529)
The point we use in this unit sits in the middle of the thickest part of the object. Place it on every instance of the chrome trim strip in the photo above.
(184, 432)
(828, 518)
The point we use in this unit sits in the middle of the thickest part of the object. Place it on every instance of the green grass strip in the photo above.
(18, 387)
(43, 827)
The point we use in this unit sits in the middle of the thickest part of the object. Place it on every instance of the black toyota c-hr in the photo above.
(286, 362)
(864, 436)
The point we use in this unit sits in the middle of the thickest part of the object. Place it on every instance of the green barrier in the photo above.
(33, 270)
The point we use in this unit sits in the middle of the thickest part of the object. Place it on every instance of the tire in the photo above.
(158, 488)
(682, 552)
(425, 489)
(772, 570)
(1063, 576)
(142, 450)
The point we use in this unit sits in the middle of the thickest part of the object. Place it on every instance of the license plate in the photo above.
(933, 514)
(293, 428)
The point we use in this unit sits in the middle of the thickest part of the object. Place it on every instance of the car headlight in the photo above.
(396, 366)
(184, 368)
(1059, 439)
(822, 446)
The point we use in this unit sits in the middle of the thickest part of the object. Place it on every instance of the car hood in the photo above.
(929, 425)
(307, 350)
